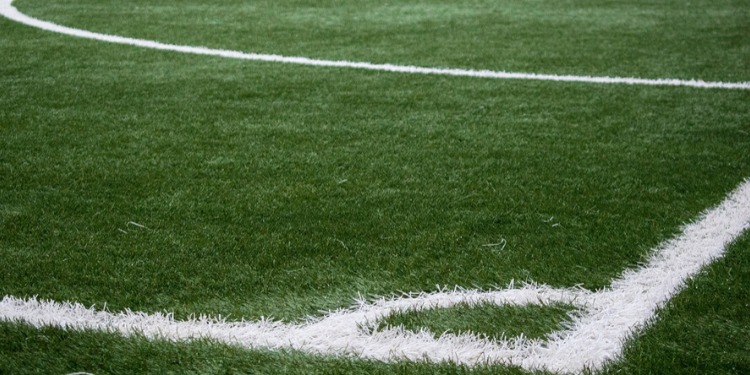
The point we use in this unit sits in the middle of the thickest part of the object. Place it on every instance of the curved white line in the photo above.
(608, 317)
(7, 10)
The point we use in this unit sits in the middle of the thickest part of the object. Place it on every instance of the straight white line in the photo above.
(7, 10)
(608, 318)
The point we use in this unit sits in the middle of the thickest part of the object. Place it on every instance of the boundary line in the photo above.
(607, 319)
(9, 11)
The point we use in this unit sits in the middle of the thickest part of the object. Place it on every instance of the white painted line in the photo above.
(608, 318)
(7, 10)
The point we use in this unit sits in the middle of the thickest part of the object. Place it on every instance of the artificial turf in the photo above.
(703, 330)
(154, 181)
(484, 320)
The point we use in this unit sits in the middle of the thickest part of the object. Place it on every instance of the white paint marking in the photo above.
(7, 10)
(608, 317)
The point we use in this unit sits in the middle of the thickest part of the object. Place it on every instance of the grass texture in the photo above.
(650, 39)
(154, 181)
(701, 331)
(485, 320)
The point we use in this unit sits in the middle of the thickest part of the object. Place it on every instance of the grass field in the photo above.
(156, 181)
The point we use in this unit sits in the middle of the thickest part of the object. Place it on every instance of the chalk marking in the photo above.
(607, 319)
(7, 10)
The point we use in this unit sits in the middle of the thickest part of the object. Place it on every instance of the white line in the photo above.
(7, 10)
(608, 317)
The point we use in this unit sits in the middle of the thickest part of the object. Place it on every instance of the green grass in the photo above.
(25, 350)
(484, 320)
(281, 190)
(700, 39)
(701, 331)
